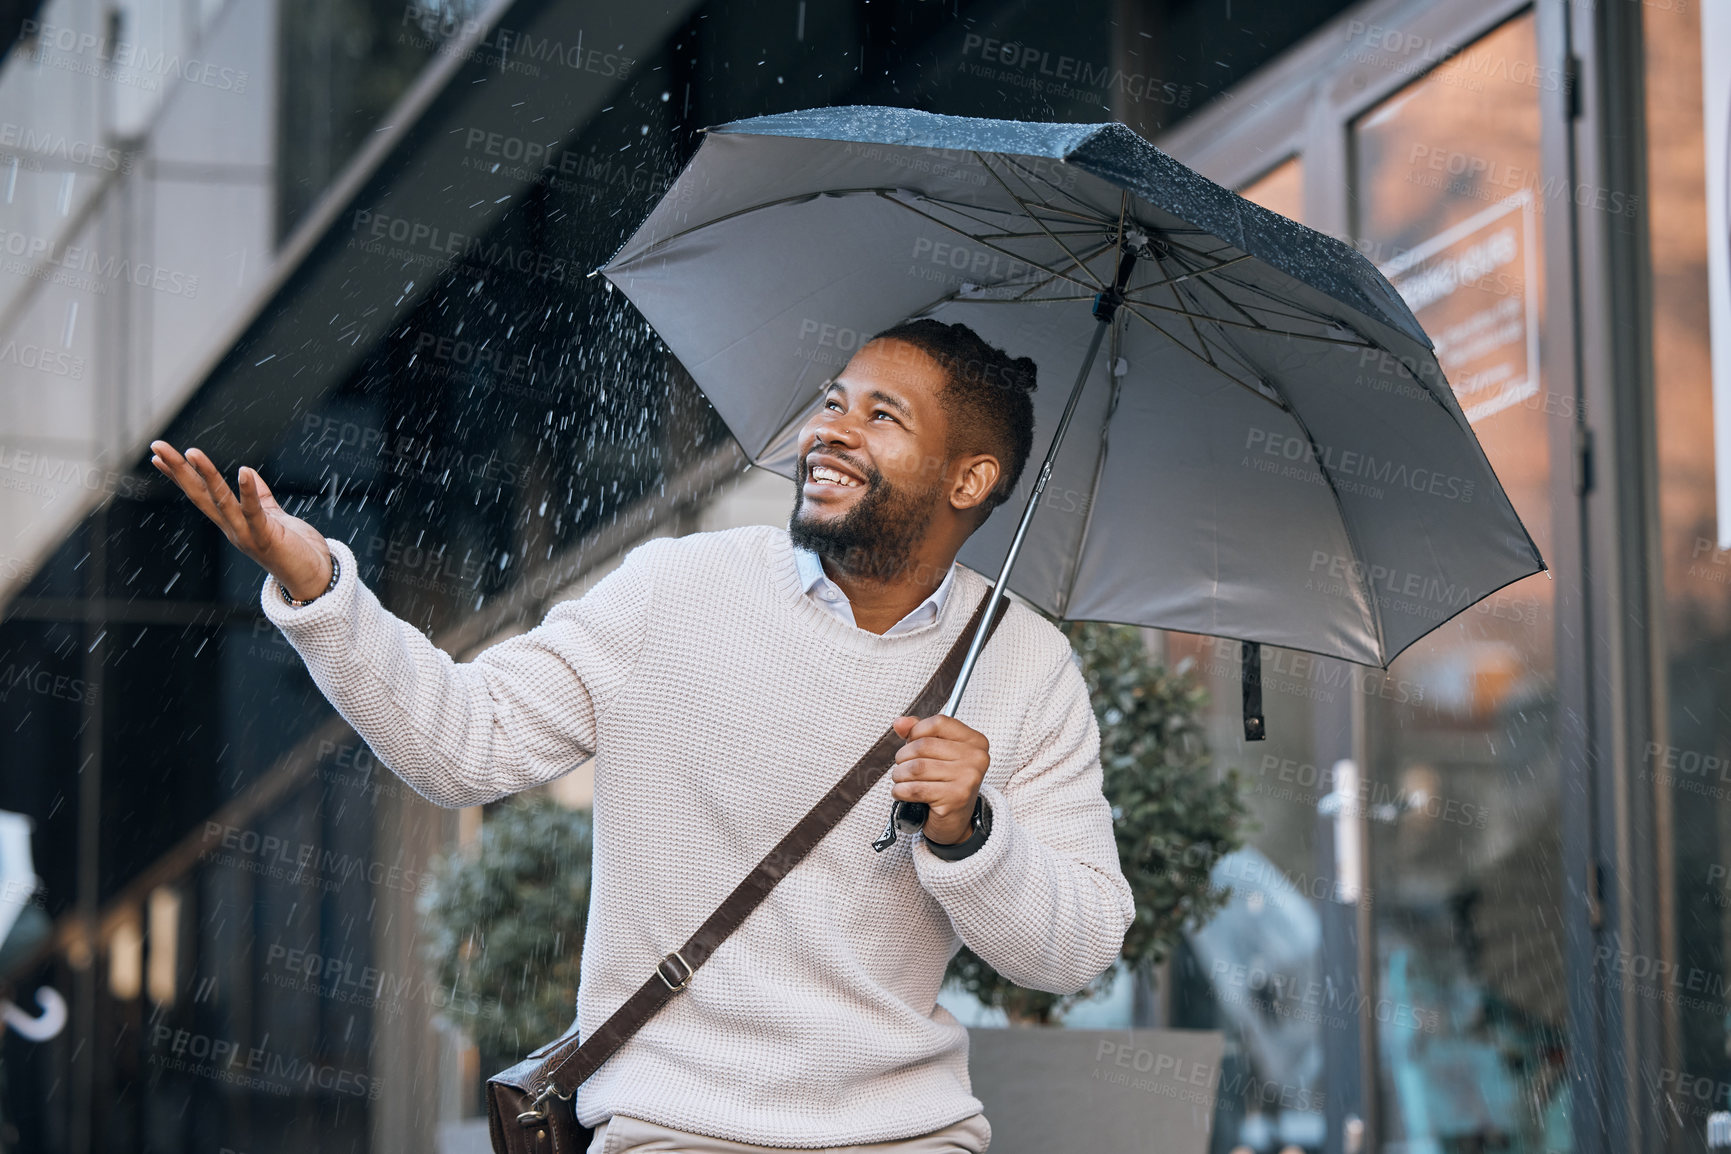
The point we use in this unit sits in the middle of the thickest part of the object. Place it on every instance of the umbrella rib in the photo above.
(1254, 391)
(1213, 320)
(1241, 309)
(1188, 301)
(1225, 345)
(1171, 286)
(1018, 299)
(995, 248)
(970, 210)
(1235, 307)
(1172, 280)
(1033, 235)
(1029, 179)
(1023, 205)
(1087, 257)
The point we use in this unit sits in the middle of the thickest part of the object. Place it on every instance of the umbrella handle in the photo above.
(910, 816)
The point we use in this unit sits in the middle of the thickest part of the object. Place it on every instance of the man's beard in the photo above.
(875, 539)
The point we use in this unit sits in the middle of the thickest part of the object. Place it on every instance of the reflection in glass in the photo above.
(1461, 777)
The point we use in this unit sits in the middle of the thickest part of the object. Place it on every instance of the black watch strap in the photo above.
(982, 829)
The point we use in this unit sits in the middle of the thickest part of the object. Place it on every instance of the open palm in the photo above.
(289, 548)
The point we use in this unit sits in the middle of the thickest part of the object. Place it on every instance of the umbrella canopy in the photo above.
(1267, 450)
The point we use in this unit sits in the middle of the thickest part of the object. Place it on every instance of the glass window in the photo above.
(1689, 760)
(1460, 773)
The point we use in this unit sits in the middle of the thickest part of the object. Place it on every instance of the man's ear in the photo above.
(978, 475)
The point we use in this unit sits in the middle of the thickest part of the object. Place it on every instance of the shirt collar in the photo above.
(814, 581)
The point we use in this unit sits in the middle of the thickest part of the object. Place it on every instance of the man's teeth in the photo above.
(825, 473)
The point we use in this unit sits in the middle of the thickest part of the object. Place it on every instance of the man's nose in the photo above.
(833, 428)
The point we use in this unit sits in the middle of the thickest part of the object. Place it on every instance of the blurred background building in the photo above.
(347, 241)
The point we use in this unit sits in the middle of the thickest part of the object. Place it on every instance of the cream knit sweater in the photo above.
(720, 704)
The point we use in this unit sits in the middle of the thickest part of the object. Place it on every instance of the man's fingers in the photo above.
(927, 769)
(176, 469)
(938, 725)
(229, 513)
(931, 792)
(940, 748)
(266, 499)
(251, 505)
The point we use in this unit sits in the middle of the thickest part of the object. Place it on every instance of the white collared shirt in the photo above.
(829, 596)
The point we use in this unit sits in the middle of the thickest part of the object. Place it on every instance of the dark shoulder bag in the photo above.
(531, 1108)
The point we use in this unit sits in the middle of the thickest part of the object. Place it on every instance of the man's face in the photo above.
(872, 470)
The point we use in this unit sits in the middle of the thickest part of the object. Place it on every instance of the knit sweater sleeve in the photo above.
(1043, 901)
(522, 712)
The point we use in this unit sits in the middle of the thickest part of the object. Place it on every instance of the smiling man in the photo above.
(723, 682)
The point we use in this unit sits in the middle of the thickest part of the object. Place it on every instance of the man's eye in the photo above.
(884, 413)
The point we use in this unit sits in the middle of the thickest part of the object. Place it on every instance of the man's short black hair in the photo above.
(989, 397)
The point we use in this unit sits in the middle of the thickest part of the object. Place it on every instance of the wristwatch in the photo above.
(336, 571)
(982, 829)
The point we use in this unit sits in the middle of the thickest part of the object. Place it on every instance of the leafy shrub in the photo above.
(506, 927)
(1172, 819)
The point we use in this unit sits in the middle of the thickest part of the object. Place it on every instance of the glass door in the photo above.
(1460, 779)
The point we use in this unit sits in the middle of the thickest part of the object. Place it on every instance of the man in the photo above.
(724, 682)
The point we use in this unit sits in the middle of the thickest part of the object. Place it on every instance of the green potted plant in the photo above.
(506, 927)
(1172, 817)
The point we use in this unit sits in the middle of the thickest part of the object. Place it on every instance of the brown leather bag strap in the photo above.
(572, 1064)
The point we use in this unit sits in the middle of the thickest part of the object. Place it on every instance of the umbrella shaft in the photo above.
(1045, 474)
(911, 815)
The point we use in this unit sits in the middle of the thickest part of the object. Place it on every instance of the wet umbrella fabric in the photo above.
(1267, 450)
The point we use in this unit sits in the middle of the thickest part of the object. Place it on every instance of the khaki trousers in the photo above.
(626, 1135)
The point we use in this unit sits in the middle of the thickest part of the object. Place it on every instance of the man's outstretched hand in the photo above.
(291, 550)
(942, 764)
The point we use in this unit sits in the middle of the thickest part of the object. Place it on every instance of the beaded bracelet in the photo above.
(336, 571)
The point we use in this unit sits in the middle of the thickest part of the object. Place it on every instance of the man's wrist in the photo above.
(329, 584)
(980, 828)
